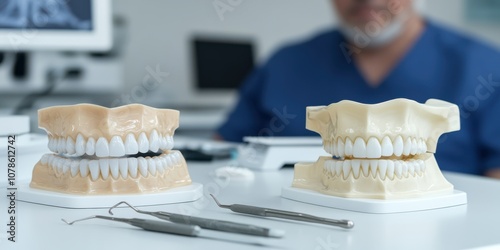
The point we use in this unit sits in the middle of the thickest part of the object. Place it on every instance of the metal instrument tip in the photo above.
(218, 204)
(349, 224)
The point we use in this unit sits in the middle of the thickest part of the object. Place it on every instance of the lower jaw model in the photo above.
(109, 151)
(380, 151)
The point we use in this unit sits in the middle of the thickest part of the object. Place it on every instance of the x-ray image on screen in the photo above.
(46, 14)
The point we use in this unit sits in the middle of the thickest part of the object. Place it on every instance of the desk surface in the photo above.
(474, 225)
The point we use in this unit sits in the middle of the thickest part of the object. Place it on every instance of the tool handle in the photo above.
(283, 214)
(245, 209)
(220, 225)
(166, 227)
(309, 218)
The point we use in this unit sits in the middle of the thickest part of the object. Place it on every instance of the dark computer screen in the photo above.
(221, 64)
(46, 14)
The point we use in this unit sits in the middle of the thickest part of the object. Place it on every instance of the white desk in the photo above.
(474, 225)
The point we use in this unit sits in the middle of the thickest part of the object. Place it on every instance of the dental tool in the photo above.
(282, 214)
(175, 228)
(219, 225)
(150, 225)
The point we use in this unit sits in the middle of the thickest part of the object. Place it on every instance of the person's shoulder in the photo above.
(315, 43)
(460, 43)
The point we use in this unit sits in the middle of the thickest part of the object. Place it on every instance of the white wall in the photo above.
(451, 12)
(159, 31)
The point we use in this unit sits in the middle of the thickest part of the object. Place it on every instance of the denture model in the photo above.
(121, 150)
(380, 151)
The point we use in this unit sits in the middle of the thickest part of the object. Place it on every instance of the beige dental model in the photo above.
(109, 151)
(381, 151)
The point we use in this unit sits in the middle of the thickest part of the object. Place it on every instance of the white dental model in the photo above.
(109, 151)
(381, 151)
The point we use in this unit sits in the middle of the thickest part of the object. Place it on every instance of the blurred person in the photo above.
(381, 50)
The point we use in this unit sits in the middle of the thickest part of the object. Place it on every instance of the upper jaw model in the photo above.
(101, 151)
(381, 151)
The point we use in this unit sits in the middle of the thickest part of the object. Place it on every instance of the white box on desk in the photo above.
(271, 153)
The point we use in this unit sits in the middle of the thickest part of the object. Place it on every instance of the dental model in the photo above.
(380, 151)
(109, 151)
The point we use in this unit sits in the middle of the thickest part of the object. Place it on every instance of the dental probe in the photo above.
(219, 225)
(179, 229)
(269, 212)
(150, 225)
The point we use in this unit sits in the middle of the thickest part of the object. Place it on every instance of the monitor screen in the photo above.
(221, 64)
(46, 14)
(73, 25)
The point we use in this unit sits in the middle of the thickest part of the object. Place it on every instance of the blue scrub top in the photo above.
(442, 64)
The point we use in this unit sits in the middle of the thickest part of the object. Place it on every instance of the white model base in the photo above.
(373, 205)
(175, 195)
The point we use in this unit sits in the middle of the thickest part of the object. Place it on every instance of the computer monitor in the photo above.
(221, 64)
(73, 25)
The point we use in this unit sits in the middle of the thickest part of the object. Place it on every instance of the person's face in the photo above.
(360, 12)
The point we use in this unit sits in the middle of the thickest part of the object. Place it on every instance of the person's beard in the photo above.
(385, 35)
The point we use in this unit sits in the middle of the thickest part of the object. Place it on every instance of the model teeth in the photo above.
(348, 147)
(113, 167)
(75, 166)
(102, 147)
(94, 169)
(79, 145)
(365, 167)
(89, 149)
(359, 148)
(131, 146)
(154, 141)
(373, 168)
(340, 147)
(123, 167)
(132, 167)
(380, 151)
(382, 169)
(143, 166)
(346, 169)
(61, 145)
(355, 165)
(407, 147)
(70, 146)
(398, 146)
(115, 147)
(104, 167)
(84, 168)
(390, 170)
(387, 147)
(151, 166)
(374, 148)
(143, 143)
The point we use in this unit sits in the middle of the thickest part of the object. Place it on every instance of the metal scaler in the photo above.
(269, 212)
(219, 225)
(150, 225)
